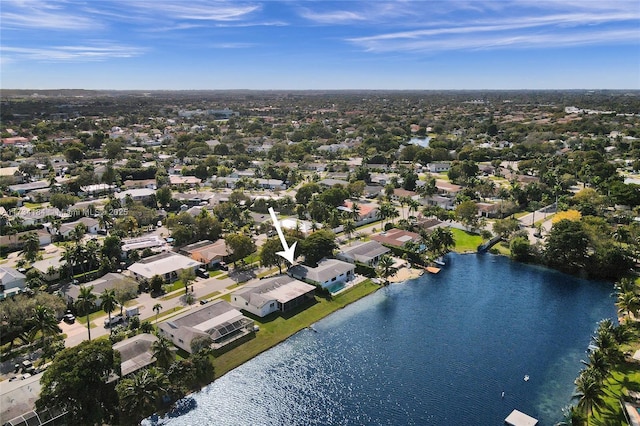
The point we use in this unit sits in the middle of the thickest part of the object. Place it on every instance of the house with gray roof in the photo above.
(106, 282)
(218, 320)
(328, 272)
(167, 265)
(282, 293)
(135, 353)
(11, 281)
(366, 252)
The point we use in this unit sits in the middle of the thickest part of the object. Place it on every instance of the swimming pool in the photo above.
(336, 287)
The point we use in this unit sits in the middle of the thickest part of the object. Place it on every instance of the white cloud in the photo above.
(334, 17)
(197, 10)
(98, 52)
(43, 15)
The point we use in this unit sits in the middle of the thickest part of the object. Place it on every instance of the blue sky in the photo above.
(202, 44)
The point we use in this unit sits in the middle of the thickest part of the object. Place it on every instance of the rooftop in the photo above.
(282, 288)
(326, 269)
(162, 264)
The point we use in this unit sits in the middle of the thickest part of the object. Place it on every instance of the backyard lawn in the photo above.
(465, 242)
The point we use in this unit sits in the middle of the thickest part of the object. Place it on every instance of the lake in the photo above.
(438, 350)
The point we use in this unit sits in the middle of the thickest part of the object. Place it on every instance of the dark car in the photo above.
(69, 318)
(202, 273)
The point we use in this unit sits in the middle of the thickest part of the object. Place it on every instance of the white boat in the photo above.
(439, 261)
(526, 378)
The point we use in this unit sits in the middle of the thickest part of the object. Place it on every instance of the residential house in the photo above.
(11, 175)
(438, 167)
(135, 353)
(366, 252)
(278, 294)
(11, 282)
(13, 242)
(140, 194)
(372, 191)
(403, 193)
(140, 183)
(447, 188)
(207, 252)
(488, 210)
(218, 320)
(184, 180)
(167, 265)
(328, 272)
(141, 243)
(50, 268)
(107, 282)
(26, 188)
(330, 183)
(97, 189)
(396, 237)
(367, 213)
(272, 184)
(446, 203)
(91, 224)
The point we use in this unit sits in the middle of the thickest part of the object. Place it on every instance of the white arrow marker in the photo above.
(289, 252)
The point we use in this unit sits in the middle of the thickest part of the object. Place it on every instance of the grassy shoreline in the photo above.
(275, 328)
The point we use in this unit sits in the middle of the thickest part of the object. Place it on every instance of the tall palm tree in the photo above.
(355, 211)
(157, 308)
(140, 393)
(414, 205)
(589, 392)
(30, 247)
(86, 301)
(163, 352)
(43, 321)
(349, 227)
(69, 258)
(385, 267)
(108, 302)
(628, 304)
(598, 363)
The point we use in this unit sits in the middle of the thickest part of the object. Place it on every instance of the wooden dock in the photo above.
(432, 269)
(517, 418)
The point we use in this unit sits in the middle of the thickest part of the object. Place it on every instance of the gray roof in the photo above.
(12, 273)
(365, 251)
(326, 269)
(135, 352)
(282, 288)
(109, 281)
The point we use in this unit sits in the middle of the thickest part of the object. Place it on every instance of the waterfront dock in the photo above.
(518, 418)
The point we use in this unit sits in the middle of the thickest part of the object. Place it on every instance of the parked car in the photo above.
(117, 319)
(202, 273)
(69, 318)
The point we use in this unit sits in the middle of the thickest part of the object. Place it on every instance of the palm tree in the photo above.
(414, 205)
(86, 301)
(355, 211)
(589, 392)
(570, 417)
(349, 227)
(140, 393)
(624, 285)
(620, 235)
(628, 304)
(108, 302)
(157, 308)
(598, 363)
(385, 267)
(30, 247)
(43, 321)
(163, 352)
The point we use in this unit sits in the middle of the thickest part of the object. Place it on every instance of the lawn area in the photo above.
(465, 242)
(214, 273)
(502, 248)
(275, 328)
(624, 378)
(253, 257)
(173, 295)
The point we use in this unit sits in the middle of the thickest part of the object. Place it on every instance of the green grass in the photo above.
(210, 295)
(520, 214)
(173, 295)
(267, 273)
(214, 273)
(275, 328)
(32, 205)
(253, 257)
(232, 286)
(502, 248)
(222, 277)
(465, 242)
(176, 285)
(624, 377)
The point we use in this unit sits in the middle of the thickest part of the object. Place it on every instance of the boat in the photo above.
(526, 378)
(439, 261)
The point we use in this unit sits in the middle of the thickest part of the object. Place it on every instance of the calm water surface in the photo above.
(439, 350)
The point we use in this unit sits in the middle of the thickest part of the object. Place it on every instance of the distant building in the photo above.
(366, 252)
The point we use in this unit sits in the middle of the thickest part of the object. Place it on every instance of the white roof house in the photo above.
(281, 293)
(328, 272)
(219, 320)
(168, 265)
